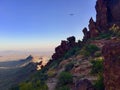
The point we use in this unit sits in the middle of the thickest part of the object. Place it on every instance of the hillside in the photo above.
(14, 72)
(90, 64)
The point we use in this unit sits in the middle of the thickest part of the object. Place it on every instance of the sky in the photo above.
(42, 24)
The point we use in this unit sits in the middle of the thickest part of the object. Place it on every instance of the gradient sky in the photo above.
(42, 24)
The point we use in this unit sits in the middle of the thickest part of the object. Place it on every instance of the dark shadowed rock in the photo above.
(92, 28)
(102, 13)
(84, 85)
(64, 47)
(111, 53)
(107, 13)
(86, 34)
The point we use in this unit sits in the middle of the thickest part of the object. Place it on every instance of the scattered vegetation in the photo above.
(38, 85)
(65, 78)
(97, 69)
(97, 54)
(71, 52)
(89, 50)
(106, 36)
(115, 30)
(51, 73)
(64, 88)
(69, 66)
(99, 84)
(97, 66)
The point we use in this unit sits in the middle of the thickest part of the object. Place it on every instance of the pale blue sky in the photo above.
(42, 24)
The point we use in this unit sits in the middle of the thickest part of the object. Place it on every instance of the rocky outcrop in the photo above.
(64, 47)
(102, 13)
(111, 53)
(84, 85)
(108, 14)
(86, 34)
(93, 29)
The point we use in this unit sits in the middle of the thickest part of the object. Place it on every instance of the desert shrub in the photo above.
(84, 52)
(71, 52)
(104, 36)
(63, 88)
(51, 73)
(89, 50)
(69, 66)
(115, 30)
(99, 84)
(97, 54)
(97, 66)
(26, 86)
(33, 86)
(65, 78)
(92, 48)
(40, 76)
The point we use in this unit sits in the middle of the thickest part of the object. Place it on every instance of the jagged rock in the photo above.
(113, 7)
(111, 53)
(71, 41)
(92, 28)
(84, 85)
(86, 34)
(64, 47)
(107, 13)
(102, 13)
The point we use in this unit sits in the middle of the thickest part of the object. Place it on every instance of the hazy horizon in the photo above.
(13, 55)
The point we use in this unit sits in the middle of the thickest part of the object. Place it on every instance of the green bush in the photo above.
(63, 88)
(33, 86)
(104, 36)
(97, 54)
(89, 49)
(97, 66)
(69, 66)
(92, 48)
(65, 78)
(99, 84)
(71, 52)
(115, 30)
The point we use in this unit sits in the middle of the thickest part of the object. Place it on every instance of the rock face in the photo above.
(111, 53)
(84, 85)
(86, 34)
(64, 47)
(101, 10)
(93, 29)
(108, 13)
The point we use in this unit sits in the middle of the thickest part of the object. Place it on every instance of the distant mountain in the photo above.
(14, 72)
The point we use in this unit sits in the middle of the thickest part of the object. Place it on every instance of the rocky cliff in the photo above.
(64, 47)
(108, 13)
(111, 53)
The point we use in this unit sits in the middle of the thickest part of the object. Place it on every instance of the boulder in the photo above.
(84, 85)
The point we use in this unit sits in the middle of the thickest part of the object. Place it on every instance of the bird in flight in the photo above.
(71, 14)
